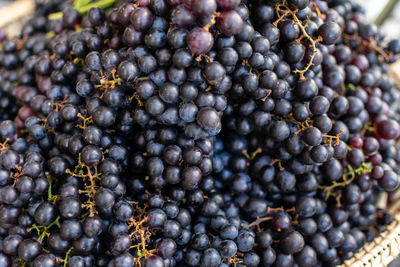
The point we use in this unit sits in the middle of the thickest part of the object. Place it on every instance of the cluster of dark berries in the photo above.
(210, 133)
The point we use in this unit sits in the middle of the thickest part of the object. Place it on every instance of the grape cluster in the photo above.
(214, 133)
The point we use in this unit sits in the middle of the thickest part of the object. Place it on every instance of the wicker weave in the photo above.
(384, 249)
(13, 15)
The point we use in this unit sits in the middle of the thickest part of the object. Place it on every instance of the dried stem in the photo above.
(17, 174)
(257, 222)
(137, 97)
(235, 260)
(282, 8)
(85, 172)
(367, 44)
(265, 97)
(317, 10)
(141, 234)
(274, 161)
(292, 209)
(85, 121)
(50, 196)
(4, 146)
(212, 21)
(108, 82)
(332, 137)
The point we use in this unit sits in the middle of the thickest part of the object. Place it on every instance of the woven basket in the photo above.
(13, 15)
(379, 253)
(384, 249)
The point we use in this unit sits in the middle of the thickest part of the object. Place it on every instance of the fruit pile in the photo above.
(213, 133)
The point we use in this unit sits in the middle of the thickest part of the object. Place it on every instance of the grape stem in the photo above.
(303, 125)
(347, 178)
(336, 137)
(292, 209)
(43, 231)
(50, 196)
(281, 168)
(59, 104)
(252, 155)
(258, 221)
(212, 21)
(17, 174)
(4, 146)
(317, 10)
(265, 97)
(86, 121)
(235, 260)
(67, 256)
(140, 234)
(85, 172)
(281, 7)
(369, 44)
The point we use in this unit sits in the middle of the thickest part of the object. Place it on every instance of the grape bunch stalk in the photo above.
(204, 133)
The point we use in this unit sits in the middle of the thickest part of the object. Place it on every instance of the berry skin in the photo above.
(292, 243)
(141, 18)
(104, 198)
(128, 71)
(209, 120)
(153, 261)
(229, 22)
(330, 32)
(388, 129)
(204, 8)
(228, 4)
(200, 41)
(29, 249)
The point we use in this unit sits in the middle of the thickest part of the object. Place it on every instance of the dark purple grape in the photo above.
(200, 41)
(141, 18)
(229, 22)
(292, 242)
(228, 4)
(183, 16)
(204, 8)
(388, 129)
(330, 32)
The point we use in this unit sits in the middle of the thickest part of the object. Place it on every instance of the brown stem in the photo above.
(212, 21)
(257, 222)
(317, 10)
(281, 7)
(86, 121)
(281, 168)
(369, 44)
(336, 137)
(292, 209)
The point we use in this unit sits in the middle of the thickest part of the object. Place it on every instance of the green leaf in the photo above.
(84, 6)
(81, 3)
(103, 4)
(56, 16)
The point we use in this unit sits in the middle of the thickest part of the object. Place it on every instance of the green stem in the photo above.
(81, 3)
(103, 4)
(42, 231)
(55, 222)
(49, 194)
(67, 256)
